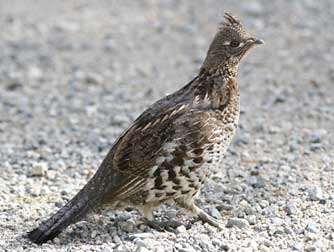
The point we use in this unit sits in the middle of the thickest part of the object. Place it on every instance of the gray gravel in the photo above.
(74, 74)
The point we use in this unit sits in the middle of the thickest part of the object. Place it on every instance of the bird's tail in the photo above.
(72, 212)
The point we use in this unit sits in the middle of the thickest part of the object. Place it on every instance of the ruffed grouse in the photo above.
(171, 149)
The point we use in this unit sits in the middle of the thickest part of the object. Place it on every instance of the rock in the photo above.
(315, 146)
(256, 182)
(93, 234)
(243, 139)
(273, 130)
(293, 146)
(171, 213)
(315, 193)
(142, 236)
(56, 240)
(279, 231)
(128, 226)
(14, 85)
(311, 228)
(291, 208)
(160, 249)
(35, 189)
(267, 243)
(51, 175)
(252, 245)
(245, 155)
(186, 248)
(237, 222)
(322, 201)
(252, 219)
(311, 248)
(262, 248)
(226, 207)
(181, 229)
(94, 78)
(264, 203)
(297, 246)
(316, 136)
(67, 25)
(205, 242)
(215, 213)
(142, 249)
(216, 242)
(140, 243)
(310, 236)
(34, 72)
(280, 99)
(39, 169)
(116, 239)
(276, 221)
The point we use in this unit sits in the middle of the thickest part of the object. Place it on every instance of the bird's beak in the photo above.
(258, 42)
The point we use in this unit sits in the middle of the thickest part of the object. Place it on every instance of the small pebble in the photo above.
(252, 219)
(311, 228)
(34, 72)
(128, 226)
(297, 246)
(117, 239)
(93, 234)
(39, 169)
(237, 222)
(276, 221)
(291, 208)
(311, 249)
(315, 193)
(226, 207)
(215, 213)
(94, 78)
(142, 249)
(140, 242)
(181, 229)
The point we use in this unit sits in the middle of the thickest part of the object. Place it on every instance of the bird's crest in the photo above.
(231, 22)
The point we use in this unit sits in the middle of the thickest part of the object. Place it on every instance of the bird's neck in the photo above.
(225, 70)
(216, 87)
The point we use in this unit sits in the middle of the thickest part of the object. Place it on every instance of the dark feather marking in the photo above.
(171, 174)
(177, 187)
(198, 151)
(178, 161)
(198, 160)
(159, 194)
(168, 194)
(158, 182)
(157, 173)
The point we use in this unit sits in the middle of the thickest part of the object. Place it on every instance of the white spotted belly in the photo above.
(187, 179)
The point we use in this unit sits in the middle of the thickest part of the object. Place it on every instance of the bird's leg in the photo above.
(159, 226)
(191, 207)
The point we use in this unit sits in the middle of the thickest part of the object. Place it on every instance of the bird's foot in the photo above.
(206, 218)
(190, 206)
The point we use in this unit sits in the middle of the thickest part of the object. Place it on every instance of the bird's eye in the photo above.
(234, 43)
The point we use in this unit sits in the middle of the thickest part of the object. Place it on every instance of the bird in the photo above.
(170, 151)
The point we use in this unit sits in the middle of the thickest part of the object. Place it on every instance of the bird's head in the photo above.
(230, 44)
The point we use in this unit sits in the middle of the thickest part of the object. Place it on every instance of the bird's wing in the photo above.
(128, 162)
(137, 150)
(144, 146)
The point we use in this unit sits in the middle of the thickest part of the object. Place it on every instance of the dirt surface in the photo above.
(75, 74)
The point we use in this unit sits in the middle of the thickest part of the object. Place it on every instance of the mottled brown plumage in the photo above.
(170, 151)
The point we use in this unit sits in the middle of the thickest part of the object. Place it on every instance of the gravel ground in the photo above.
(74, 74)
